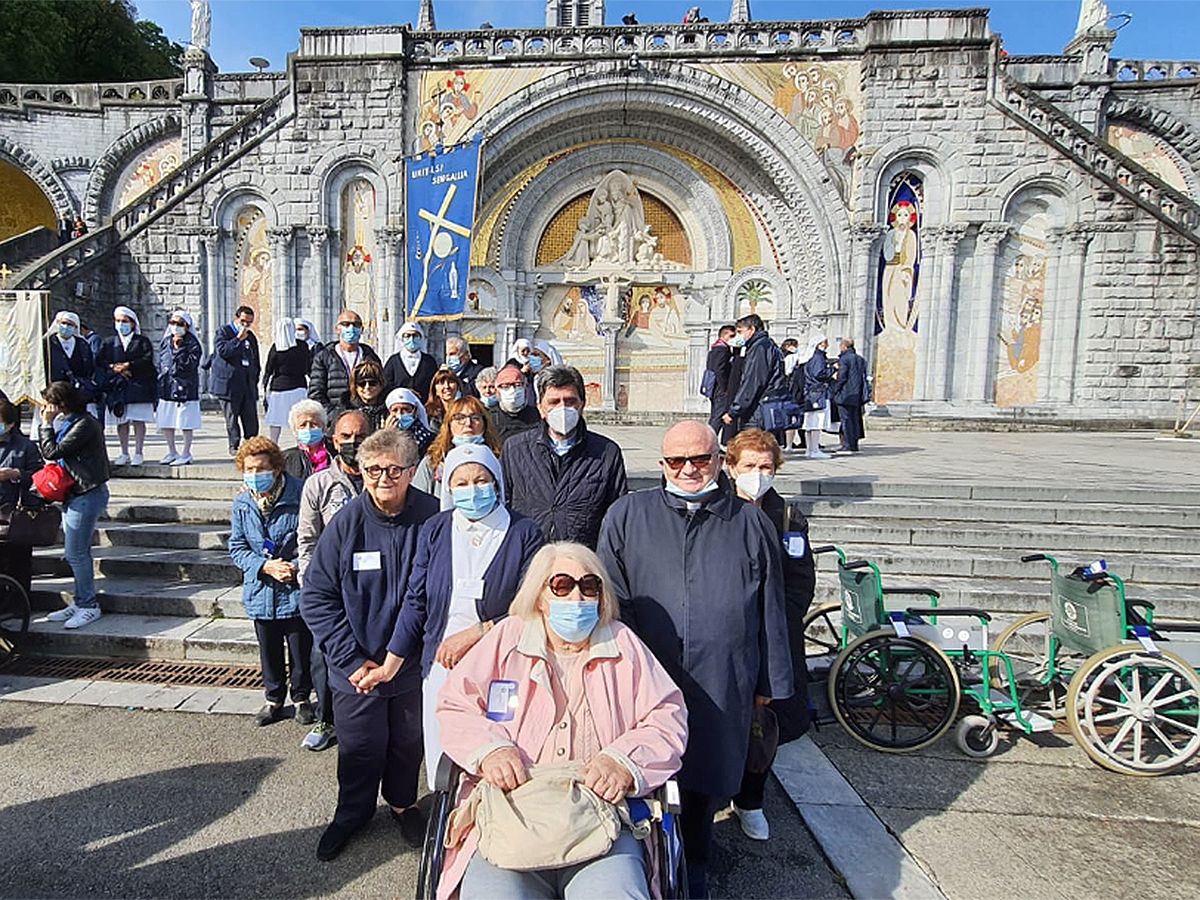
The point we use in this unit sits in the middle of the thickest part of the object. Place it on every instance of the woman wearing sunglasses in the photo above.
(467, 422)
(560, 680)
(469, 564)
(366, 394)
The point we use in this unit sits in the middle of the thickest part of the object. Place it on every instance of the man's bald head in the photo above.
(690, 455)
(692, 434)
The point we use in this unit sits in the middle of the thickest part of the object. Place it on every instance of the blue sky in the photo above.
(1161, 29)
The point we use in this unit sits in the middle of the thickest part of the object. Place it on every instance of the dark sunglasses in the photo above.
(675, 463)
(368, 382)
(562, 584)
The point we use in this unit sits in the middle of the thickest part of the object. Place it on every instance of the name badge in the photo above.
(245, 362)
(268, 547)
(367, 561)
(795, 544)
(469, 588)
(502, 700)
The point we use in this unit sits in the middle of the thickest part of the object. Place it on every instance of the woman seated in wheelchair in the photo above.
(559, 693)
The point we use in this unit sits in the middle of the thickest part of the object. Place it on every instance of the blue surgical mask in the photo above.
(124, 328)
(65, 330)
(673, 488)
(259, 482)
(405, 421)
(411, 344)
(453, 363)
(310, 436)
(351, 334)
(535, 363)
(460, 439)
(492, 401)
(474, 502)
(573, 620)
(737, 341)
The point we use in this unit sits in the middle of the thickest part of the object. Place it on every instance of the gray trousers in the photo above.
(619, 874)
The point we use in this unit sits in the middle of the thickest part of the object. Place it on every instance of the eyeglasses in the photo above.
(562, 584)
(376, 473)
(467, 418)
(368, 382)
(177, 322)
(675, 463)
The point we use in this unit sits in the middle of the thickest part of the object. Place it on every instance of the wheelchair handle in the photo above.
(1034, 557)
(827, 548)
(941, 611)
(856, 564)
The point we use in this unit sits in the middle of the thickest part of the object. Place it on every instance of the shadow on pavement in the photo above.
(12, 735)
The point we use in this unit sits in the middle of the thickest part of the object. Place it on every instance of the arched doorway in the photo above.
(22, 204)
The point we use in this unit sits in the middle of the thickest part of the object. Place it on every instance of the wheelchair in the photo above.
(661, 810)
(14, 617)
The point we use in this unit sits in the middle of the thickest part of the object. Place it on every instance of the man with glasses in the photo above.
(514, 411)
(699, 576)
(329, 378)
(560, 474)
(234, 377)
(353, 589)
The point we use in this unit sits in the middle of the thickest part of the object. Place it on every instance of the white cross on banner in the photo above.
(439, 223)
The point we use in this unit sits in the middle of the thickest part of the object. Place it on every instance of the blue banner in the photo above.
(441, 189)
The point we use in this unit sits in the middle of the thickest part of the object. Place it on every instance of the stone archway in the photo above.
(32, 167)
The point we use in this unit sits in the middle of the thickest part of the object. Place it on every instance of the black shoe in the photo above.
(412, 826)
(333, 841)
(271, 712)
(306, 713)
(233, 451)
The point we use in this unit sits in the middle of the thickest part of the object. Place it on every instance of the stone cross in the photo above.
(613, 284)
(5, 272)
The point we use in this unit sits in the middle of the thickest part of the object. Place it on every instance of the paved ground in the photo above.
(1036, 820)
(110, 803)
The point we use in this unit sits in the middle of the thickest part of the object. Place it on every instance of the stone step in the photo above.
(150, 637)
(176, 489)
(202, 471)
(1146, 570)
(200, 512)
(164, 536)
(204, 567)
(145, 596)
(1033, 512)
(798, 483)
(1064, 540)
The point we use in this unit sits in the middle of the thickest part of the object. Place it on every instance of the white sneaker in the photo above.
(62, 615)
(819, 454)
(168, 459)
(137, 459)
(753, 822)
(122, 460)
(182, 460)
(83, 616)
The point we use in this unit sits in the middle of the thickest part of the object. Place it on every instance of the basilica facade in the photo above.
(1001, 235)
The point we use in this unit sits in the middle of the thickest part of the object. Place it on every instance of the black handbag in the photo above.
(31, 526)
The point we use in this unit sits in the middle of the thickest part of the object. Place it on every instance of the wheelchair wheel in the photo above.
(823, 632)
(1026, 643)
(894, 694)
(1134, 712)
(14, 617)
(977, 736)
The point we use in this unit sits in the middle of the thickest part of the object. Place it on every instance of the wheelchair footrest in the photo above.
(1036, 722)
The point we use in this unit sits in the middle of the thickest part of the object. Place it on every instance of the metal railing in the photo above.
(165, 92)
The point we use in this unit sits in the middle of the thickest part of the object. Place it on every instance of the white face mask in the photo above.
(179, 330)
(563, 419)
(754, 484)
(512, 399)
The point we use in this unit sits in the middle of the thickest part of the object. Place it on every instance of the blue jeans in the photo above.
(80, 514)
(621, 873)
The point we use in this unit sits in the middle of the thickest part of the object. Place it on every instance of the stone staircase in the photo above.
(170, 591)
(232, 144)
(1099, 158)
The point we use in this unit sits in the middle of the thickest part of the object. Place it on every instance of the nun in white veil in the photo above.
(125, 369)
(818, 385)
(285, 376)
(470, 561)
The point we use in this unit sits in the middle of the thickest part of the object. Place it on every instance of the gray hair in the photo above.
(560, 377)
(458, 342)
(390, 442)
(488, 375)
(305, 408)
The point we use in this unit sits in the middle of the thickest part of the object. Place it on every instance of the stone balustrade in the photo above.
(1124, 70)
(91, 96)
(1103, 160)
(248, 87)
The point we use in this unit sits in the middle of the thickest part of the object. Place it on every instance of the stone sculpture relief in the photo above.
(613, 234)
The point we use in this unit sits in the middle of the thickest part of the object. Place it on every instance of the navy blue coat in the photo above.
(427, 602)
(79, 368)
(141, 386)
(761, 377)
(704, 590)
(262, 595)
(350, 600)
(179, 369)
(235, 366)
(818, 373)
(851, 379)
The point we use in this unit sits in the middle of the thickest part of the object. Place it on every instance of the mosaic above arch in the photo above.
(451, 100)
(1155, 155)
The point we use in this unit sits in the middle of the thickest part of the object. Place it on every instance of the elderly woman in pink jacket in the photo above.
(560, 680)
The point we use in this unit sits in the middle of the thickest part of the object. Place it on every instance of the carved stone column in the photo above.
(933, 363)
(980, 312)
(864, 251)
(392, 299)
(1061, 317)
(314, 301)
(697, 361)
(280, 240)
(608, 374)
(210, 242)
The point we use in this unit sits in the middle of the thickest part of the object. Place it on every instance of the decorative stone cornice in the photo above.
(992, 234)
(318, 235)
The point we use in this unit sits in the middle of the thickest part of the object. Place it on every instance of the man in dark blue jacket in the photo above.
(234, 377)
(762, 375)
(849, 394)
(353, 589)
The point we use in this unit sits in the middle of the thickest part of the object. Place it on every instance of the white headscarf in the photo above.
(314, 339)
(521, 344)
(179, 314)
(126, 312)
(407, 327)
(63, 315)
(404, 395)
(814, 341)
(285, 335)
(470, 453)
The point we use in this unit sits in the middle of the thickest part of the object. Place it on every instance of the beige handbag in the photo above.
(552, 820)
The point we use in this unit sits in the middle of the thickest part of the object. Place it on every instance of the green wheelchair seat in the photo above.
(1087, 616)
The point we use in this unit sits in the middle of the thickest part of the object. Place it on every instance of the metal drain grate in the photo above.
(179, 674)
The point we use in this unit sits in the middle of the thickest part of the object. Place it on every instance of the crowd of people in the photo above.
(750, 381)
(443, 558)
